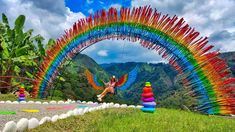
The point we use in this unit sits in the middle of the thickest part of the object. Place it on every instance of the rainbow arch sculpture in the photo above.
(204, 72)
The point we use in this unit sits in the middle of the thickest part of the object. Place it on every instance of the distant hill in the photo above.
(162, 77)
(76, 85)
(167, 89)
(82, 60)
(230, 58)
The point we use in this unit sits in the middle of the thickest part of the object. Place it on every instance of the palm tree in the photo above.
(20, 53)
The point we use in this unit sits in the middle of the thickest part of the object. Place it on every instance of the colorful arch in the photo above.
(204, 72)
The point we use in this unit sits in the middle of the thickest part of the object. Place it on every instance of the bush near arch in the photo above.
(204, 72)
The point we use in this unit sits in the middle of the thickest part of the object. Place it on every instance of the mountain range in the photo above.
(167, 88)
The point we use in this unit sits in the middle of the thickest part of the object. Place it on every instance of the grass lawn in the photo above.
(133, 120)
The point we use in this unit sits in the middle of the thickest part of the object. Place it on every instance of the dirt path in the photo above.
(44, 110)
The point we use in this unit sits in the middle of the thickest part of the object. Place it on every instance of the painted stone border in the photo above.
(39, 102)
(24, 123)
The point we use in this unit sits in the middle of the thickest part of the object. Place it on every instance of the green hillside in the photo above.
(230, 58)
(161, 76)
(75, 85)
(168, 90)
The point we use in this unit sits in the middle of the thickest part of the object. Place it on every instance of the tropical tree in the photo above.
(20, 54)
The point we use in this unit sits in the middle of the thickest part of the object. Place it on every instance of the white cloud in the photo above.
(224, 40)
(122, 51)
(156, 62)
(101, 2)
(207, 17)
(91, 11)
(71, 18)
(117, 6)
(45, 22)
(90, 49)
(103, 53)
(89, 1)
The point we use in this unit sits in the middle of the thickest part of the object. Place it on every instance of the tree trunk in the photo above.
(5, 83)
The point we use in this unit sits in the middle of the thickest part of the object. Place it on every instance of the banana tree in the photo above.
(21, 53)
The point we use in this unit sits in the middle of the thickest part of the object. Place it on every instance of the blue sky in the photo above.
(212, 18)
(88, 7)
(112, 50)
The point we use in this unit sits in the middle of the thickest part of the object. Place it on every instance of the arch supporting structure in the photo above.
(206, 74)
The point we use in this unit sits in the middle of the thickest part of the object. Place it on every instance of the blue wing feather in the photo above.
(132, 75)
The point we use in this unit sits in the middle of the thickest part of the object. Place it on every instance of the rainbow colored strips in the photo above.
(128, 79)
(123, 83)
(92, 79)
(204, 72)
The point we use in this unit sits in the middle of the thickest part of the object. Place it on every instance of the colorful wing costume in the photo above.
(123, 83)
(94, 81)
(127, 80)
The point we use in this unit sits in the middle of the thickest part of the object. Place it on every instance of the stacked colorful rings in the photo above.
(149, 103)
(21, 93)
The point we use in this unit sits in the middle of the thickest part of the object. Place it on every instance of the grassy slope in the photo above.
(135, 120)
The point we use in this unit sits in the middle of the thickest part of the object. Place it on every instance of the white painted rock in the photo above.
(111, 103)
(139, 106)
(8, 102)
(63, 116)
(33, 122)
(108, 106)
(1, 102)
(85, 110)
(44, 119)
(66, 102)
(69, 100)
(116, 105)
(123, 106)
(54, 118)
(53, 102)
(60, 102)
(90, 109)
(10, 127)
(103, 107)
(83, 102)
(98, 107)
(81, 111)
(73, 102)
(23, 102)
(22, 125)
(38, 102)
(69, 113)
(75, 112)
(15, 102)
(89, 102)
(78, 101)
(45, 103)
(30, 102)
(131, 106)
